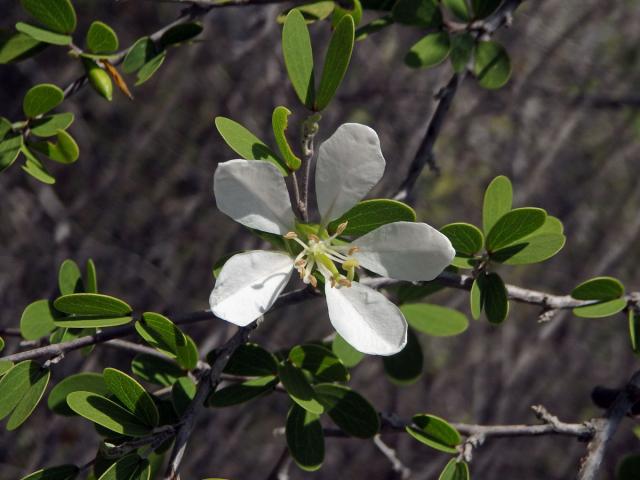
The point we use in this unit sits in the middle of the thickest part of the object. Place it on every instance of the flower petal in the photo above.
(366, 319)
(253, 193)
(350, 163)
(405, 251)
(249, 284)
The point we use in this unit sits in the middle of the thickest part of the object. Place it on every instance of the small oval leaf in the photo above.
(435, 432)
(435, 320)
(41, 98)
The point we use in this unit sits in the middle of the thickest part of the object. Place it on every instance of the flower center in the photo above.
(324, 255)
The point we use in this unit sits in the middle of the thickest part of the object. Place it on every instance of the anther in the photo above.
(341, 228)
(313, 237)
(291, 235)
(313, 281)
(353, 250)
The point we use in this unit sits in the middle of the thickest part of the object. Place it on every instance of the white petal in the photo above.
(253, 193)
(350, 163)
(249, 284)
(405, 251)
(366, 319)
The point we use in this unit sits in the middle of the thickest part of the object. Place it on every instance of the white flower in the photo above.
(349, 164)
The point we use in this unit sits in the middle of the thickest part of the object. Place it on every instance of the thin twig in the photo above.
(425, 154)
(102, 336)
(208, 383)
(606, 428)
(391, 455)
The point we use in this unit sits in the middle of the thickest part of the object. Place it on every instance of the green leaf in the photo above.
(467, 239)
(492, 65)
(9, 150)
(484, 8)
(35, 168)
(180, 33)
(91, 304)
(459, 8)
(601, 309)
(132, 395)
(339, 12)
(62, 472)
(182, 393)
(497, 202)
(420, 13)
(38, 320)
(407, 293)
(305, 438)
(161, 333)
(462, 46)
(5, 366)
(130, 467)
(18, 46)
(349, 356)
(531, 249)
(22, 388)
(249, 360)
(101, 38)
(58, 15)
(91, 283)
(154, 369)
(513, 226)
(246, 144)
(69, 278)
(64, 151)
(1, 344)
(336, 61)
(371, 214)
(41, 98)
(150, 68)
(493, 297)
(42, 35)
(634, 330)
(599, 288)
(5, 127)
(455, 470)
(312, 12)
(49, 125)
(435, 432)
(279, 122)
(349, 410)
(188, 354)
(435, 320)
(628, 468)
(475, 300)
(139, 54)
(429, 51)
(372, 27)
(92, 321)
(238, 393)
(405, 367)
(321, 362)
(298, 387)
(298, 57)
(107, 413)
(85, 381)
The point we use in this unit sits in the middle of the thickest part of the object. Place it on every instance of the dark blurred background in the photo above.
(566, 130)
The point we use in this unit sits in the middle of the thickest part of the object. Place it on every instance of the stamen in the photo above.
(341, 228)
(313, 281)
(344, 282)
(313, 238)
(353, 250)
(290, 235)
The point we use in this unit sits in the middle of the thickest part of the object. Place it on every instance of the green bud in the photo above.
(98, 78)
